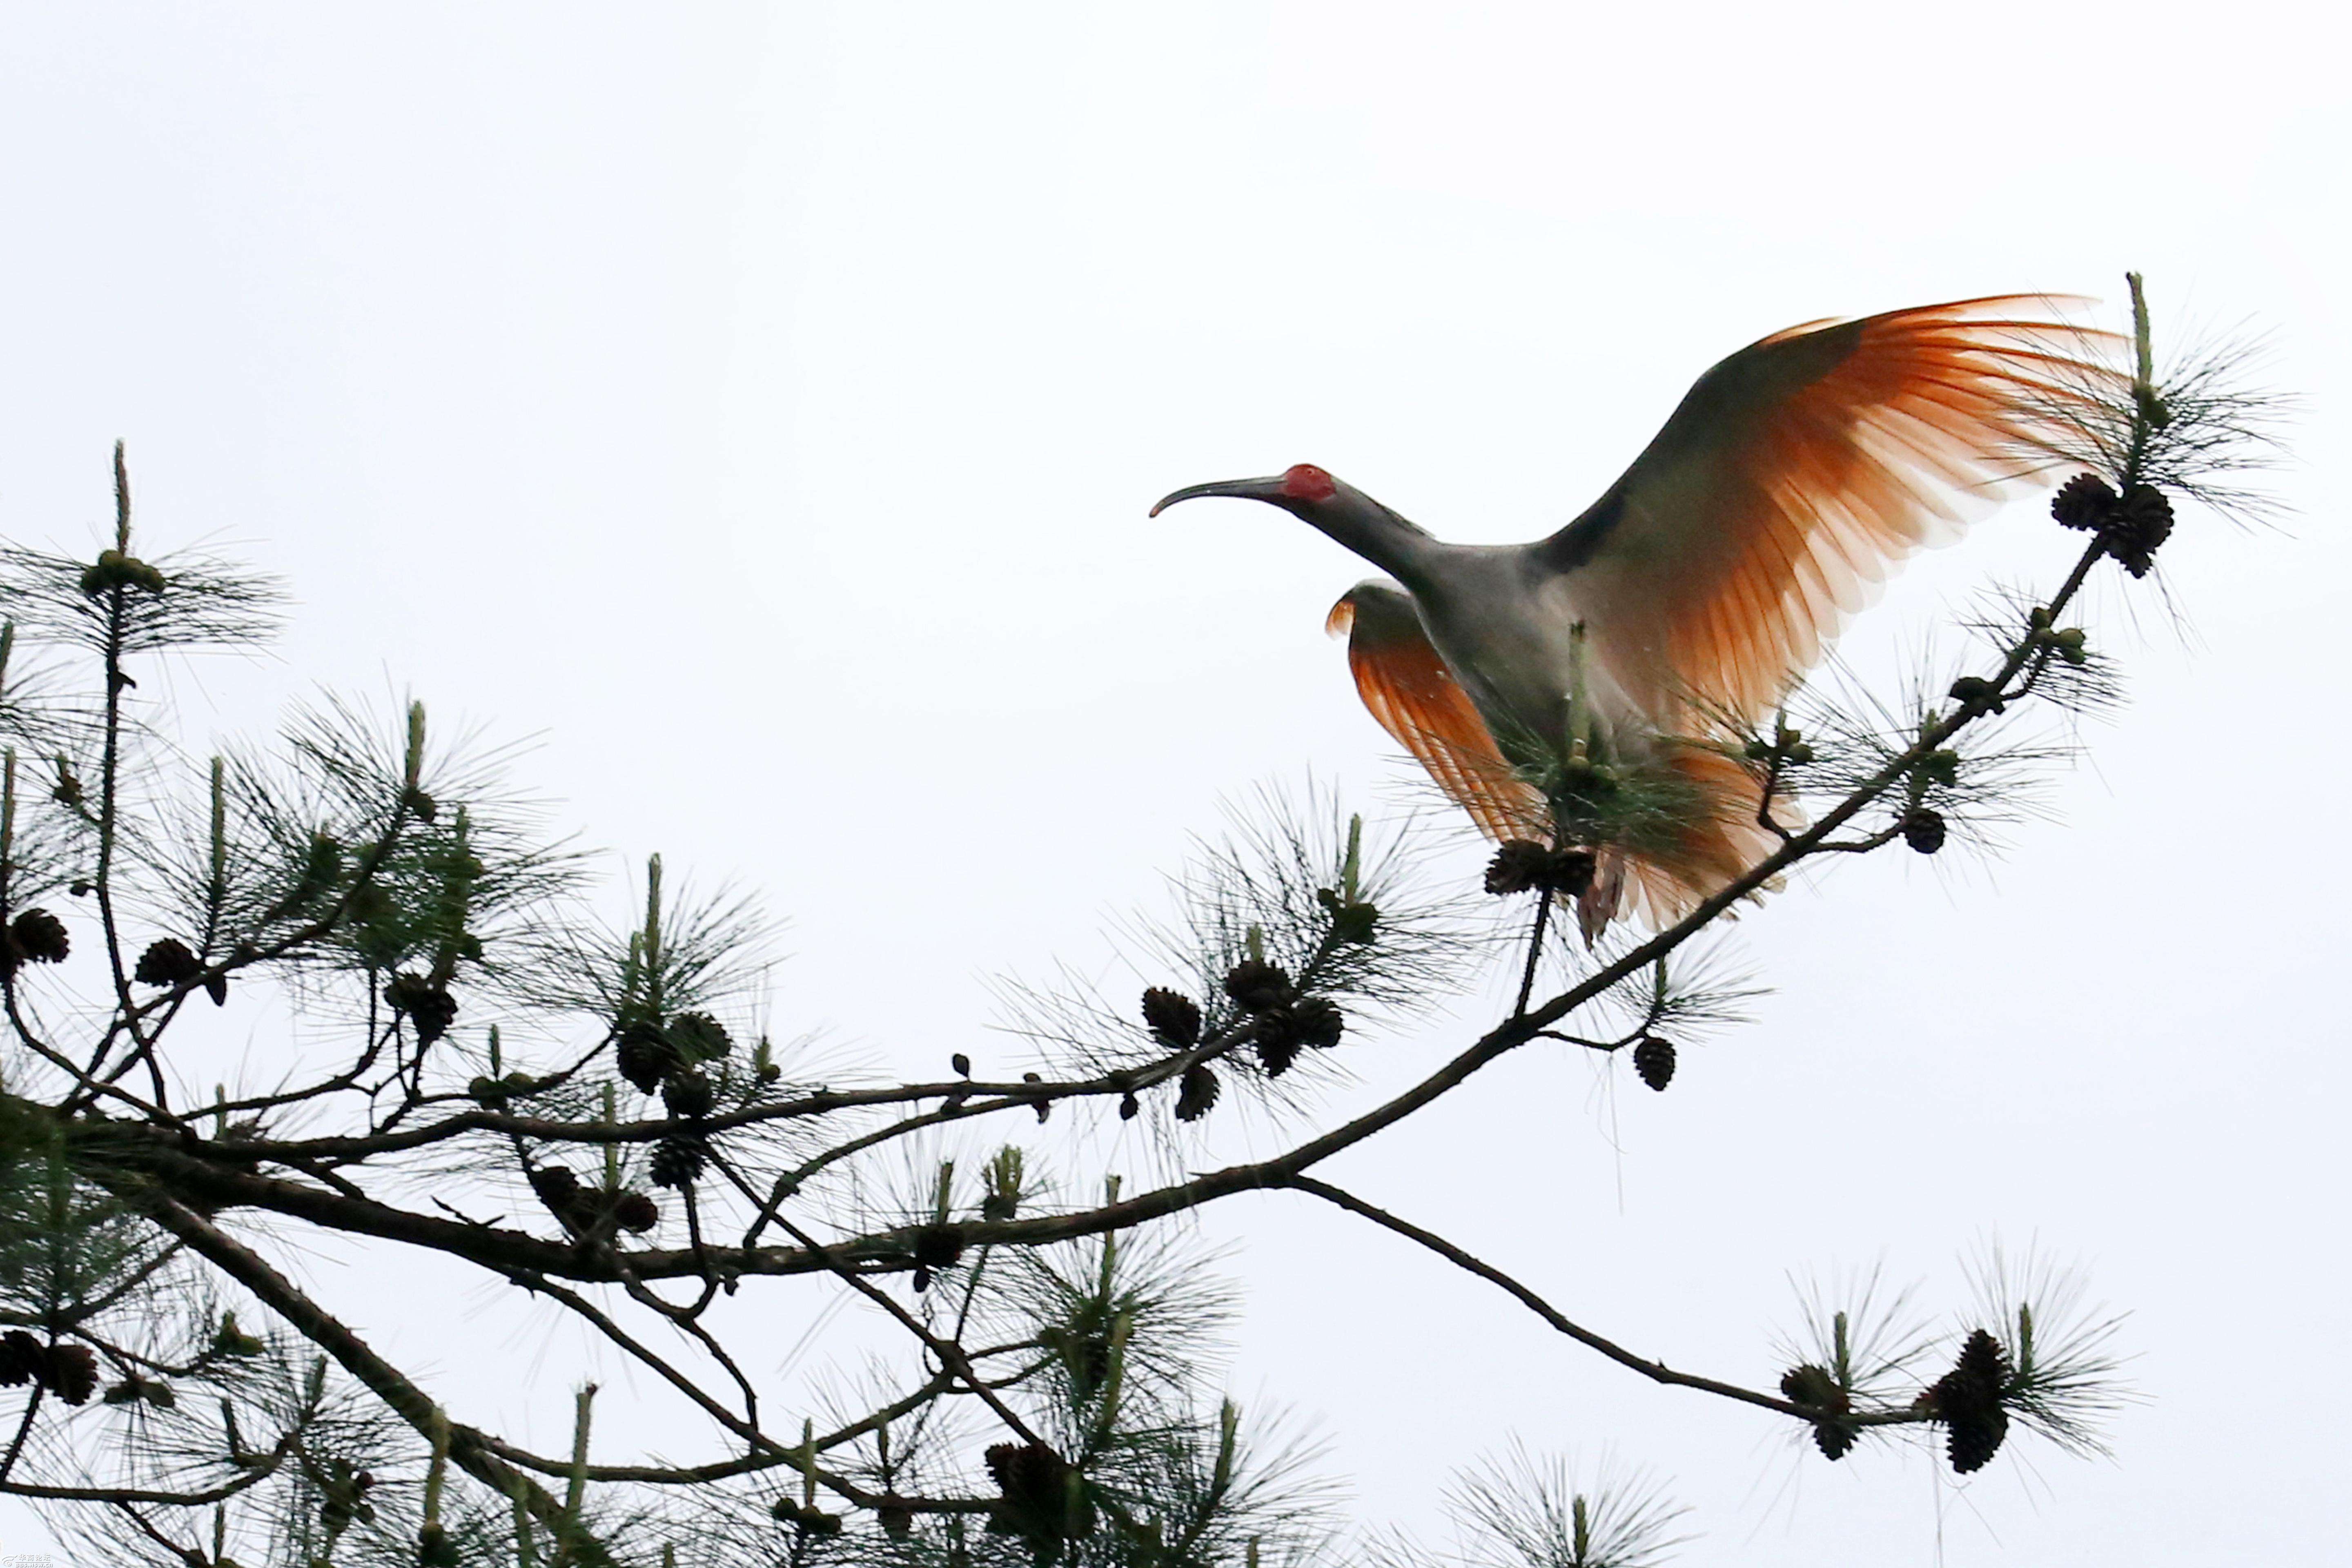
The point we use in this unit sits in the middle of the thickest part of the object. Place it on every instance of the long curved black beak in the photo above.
(1266, 489)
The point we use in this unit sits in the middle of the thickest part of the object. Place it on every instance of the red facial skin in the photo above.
(1308, 483)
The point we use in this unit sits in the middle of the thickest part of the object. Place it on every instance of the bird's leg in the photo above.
(1535, 950)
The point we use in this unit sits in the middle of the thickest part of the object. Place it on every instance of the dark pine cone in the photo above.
(643, 1055)
(1277, 1047)
(1198, 1092)
(2082, 501)
(807, 1520)
(1923, 829)
(1814, 1386)
(22, 1357)
(1968, 1400)
(688, 1095)
(557, 1187)
(677, 1161)
(1034, 1482)
(1129, 1106)
(1281, 1032)
(698, 1037)
(635, 1213)
(2142, 522)
(1316, 1022)
(1258, 986)
(1975, 692)
(938, 1245)
(1653, 1060)
(429, 1007)
(72, 1373)
(1522, 865)
(40, 937)
(1173, 1019)
(167, 962)
(1518, 867)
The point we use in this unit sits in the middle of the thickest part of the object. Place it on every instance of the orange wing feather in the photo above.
(1417, 701)
(1796, 473)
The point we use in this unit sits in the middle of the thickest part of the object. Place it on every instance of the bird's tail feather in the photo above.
(1712, 843)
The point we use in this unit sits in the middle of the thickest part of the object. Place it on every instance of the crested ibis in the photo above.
(1676, 612)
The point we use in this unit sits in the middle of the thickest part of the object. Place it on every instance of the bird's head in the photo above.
(1301, 489)
(1337, 508)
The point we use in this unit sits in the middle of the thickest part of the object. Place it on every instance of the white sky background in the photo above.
(762, 407)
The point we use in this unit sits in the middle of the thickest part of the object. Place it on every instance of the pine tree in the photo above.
(650, 1153)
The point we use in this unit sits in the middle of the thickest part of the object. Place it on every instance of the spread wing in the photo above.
(1796, 473)
(1416, 700)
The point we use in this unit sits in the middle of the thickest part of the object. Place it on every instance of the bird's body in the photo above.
(1675, 611)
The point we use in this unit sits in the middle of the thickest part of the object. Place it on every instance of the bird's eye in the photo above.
(1305, 482)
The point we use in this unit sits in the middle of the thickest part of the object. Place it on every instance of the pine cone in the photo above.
(557, 1187)
(1968, 1400)
(938, 1245)
(22, 1357)
(167, 962)
(1198, 1092)
(1257, 985)
(72, 1373)
(1976, 691)
(960, 1064)
(1522, 865)
(1316, 1022)
(1518, 867)
(1653, 1060)
(216, 987)
(897, 1522)
(1173, 1019)
(635, 1212)
(2141, 524)
(1923, 829)
(1129, 1106)
(643, 1055)
(113, 569)
(40, 937)
(428, 1006)
(1277, 1045)
(1814, 1386)
(1034, 1483)
(688, 1095)
(2082, 501)
(698, 1037)
(1353, 921)
(677, 1161)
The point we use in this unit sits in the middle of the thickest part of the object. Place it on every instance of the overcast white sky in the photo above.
(761, 404)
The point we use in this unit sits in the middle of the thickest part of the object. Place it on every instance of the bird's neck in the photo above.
(1380, 536)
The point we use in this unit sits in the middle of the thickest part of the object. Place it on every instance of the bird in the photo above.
(1595, 684)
